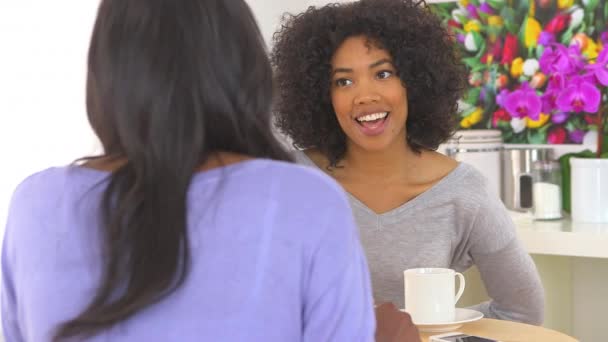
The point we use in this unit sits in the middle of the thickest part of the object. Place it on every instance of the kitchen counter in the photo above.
(562, 237)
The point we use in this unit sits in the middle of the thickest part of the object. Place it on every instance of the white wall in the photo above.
(268, 12)
(42, 61)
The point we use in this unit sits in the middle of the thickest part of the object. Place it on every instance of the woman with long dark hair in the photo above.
(191, 226)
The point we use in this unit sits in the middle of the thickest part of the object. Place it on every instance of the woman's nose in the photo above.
(367, 97)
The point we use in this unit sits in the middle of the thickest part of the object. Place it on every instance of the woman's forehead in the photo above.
(358, 49)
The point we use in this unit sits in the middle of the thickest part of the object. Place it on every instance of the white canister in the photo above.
(480, 148)
(589, 190)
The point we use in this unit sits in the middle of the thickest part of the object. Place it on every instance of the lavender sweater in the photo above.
(275, 256)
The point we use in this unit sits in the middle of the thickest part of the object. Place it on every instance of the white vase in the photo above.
(589, 190)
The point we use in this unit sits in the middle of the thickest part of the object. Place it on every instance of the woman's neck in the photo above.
(397, 162)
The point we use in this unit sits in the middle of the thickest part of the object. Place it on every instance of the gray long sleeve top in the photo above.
(455, 224)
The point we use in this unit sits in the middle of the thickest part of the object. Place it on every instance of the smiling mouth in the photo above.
(372, 119)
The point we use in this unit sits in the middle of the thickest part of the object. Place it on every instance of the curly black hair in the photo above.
(423, 53)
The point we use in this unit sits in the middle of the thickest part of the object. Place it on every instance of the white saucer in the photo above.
(462, 316)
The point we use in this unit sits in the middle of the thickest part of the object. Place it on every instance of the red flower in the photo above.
(557, 135)
(454, 23)
(493, 53)
(590, 119)
(500, 115)
(558, 24)
(510, 49)
(484, 58)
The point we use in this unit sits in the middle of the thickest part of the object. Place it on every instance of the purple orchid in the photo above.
(461, 38)
(559, 59)
(472, 11)
(578, 96)
(557, 82)
(604, 38)
(600, 68)
(524, 102)
(559, 117)
(486, 8)
(483, 94)
(501, 96)
(576, 136)
(548, 99)
(546, 38)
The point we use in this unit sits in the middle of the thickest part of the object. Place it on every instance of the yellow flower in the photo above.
(472, 25)
(591, 51)
(561, 4)
(495, 20)
(464, 3)
(532, 32)
(542, 119)
(472, 119)
(517, 67)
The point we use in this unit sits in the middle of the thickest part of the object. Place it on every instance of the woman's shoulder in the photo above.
(303, 177)
(465, 180)
(43, 188)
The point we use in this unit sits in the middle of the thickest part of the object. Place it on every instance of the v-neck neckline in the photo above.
(454, 174)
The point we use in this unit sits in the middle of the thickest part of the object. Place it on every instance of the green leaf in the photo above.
(508, 17)
(472, 95)
(496, 4)
(462, 18)
(537, 136)
(472, 62)
(543, 129)
(570, 126)
(504, 125)
(539, 50)
(567, 37)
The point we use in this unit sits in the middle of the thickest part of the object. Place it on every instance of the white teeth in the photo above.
(373, 117)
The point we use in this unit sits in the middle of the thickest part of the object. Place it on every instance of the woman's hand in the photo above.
(393, 325)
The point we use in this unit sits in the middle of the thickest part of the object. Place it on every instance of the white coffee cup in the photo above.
(429, 294)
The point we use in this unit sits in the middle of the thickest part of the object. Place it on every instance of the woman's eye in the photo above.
(385, 74)
(343, 82)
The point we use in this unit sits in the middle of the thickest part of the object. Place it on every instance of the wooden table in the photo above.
(508, 332)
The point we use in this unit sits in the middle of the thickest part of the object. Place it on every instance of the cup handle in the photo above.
(461, 284)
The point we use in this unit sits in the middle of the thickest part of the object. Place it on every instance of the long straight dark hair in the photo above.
(170, 82)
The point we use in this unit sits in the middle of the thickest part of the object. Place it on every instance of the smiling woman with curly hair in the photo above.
(421, 52)
(367, 91)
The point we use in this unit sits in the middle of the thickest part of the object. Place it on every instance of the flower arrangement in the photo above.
(538, 68)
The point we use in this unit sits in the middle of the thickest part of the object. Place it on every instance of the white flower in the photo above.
(459, 13)
(469, 42)
(518, 124)
(530, 67)
(463, 106)
(590, 138)
(576, 17)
